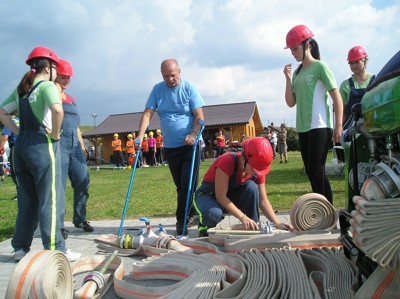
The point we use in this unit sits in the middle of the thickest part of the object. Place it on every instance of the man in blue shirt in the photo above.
(179, 106)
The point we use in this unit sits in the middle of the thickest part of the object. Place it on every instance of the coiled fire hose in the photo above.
(54, 281)
(47, 274)
(313, 211)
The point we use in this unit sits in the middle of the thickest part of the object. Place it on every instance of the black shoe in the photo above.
(64, 233)
(179, 229)
(203, 233)
(85, 226)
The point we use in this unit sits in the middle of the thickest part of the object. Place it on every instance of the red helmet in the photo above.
(64, 68)
(258, 152)
(297, 34)
(356, 53)
(44, 53)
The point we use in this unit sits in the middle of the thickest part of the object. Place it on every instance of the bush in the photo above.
(292, 140)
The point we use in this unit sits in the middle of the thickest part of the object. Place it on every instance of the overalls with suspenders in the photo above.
(73, 162)
(355, 96)
(244, 195)
(41, 198)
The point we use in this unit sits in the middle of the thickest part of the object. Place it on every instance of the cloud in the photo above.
(231, 50)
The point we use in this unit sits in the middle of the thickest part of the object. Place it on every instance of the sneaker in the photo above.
(286, 161)
(14, 198)
(19, 255)
(72, 256)
(85, 226)
(281, 162)
(193, 220)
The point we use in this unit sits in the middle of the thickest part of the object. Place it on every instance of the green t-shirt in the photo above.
(311, 86)
(41, 99)
(345, 87)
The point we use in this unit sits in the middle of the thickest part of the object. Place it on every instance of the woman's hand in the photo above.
(52, 135)
(248, 223)
(287, 70)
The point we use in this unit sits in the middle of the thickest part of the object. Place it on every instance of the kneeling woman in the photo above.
(235, 184)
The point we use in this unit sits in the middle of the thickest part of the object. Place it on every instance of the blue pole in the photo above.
(128, 194)
(189, 194)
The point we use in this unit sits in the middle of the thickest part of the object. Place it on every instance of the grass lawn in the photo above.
(153, 193)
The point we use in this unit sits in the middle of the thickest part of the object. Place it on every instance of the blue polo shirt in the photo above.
(174, 107)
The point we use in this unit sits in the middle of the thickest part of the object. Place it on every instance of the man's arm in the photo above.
(144, 123)
(198, 115)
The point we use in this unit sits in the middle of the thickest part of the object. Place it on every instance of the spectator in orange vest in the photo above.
(117, 150)
(130, 150)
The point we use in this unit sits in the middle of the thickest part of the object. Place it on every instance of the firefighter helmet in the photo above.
(42, 52)
(258, 152)
(65, 68)
(356, 53)
(297, 34)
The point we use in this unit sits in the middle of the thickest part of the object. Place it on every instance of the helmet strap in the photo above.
(51, 71)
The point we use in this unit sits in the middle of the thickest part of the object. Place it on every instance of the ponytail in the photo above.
(26, 83)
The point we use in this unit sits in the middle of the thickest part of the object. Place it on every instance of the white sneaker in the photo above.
(19, 255)
(72, 256)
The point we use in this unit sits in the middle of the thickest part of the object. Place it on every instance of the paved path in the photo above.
(80, 241)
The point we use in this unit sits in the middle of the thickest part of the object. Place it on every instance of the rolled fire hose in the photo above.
(375, 229)
(47, 274)
(313, 211)
(54, 281)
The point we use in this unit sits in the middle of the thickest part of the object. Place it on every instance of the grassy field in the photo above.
(153, 192)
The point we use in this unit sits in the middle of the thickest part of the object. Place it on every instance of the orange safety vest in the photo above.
(159, 141)
(117, 144)
(130, 149)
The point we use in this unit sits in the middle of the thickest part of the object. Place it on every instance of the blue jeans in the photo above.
(245, 197)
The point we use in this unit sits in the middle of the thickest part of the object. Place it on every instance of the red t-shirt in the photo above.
(220, 140)
(226, 164)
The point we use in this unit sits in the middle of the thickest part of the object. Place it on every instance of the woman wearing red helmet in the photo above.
(41, 197)
(353, 89)
(235, 184)
(308, 90)
(73, 152)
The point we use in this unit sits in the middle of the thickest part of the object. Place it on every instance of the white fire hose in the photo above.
(41, 274)
(313, 211)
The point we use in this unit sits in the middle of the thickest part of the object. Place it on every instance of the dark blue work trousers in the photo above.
(40, 192)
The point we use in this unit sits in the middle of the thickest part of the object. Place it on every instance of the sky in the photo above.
(231, 50)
